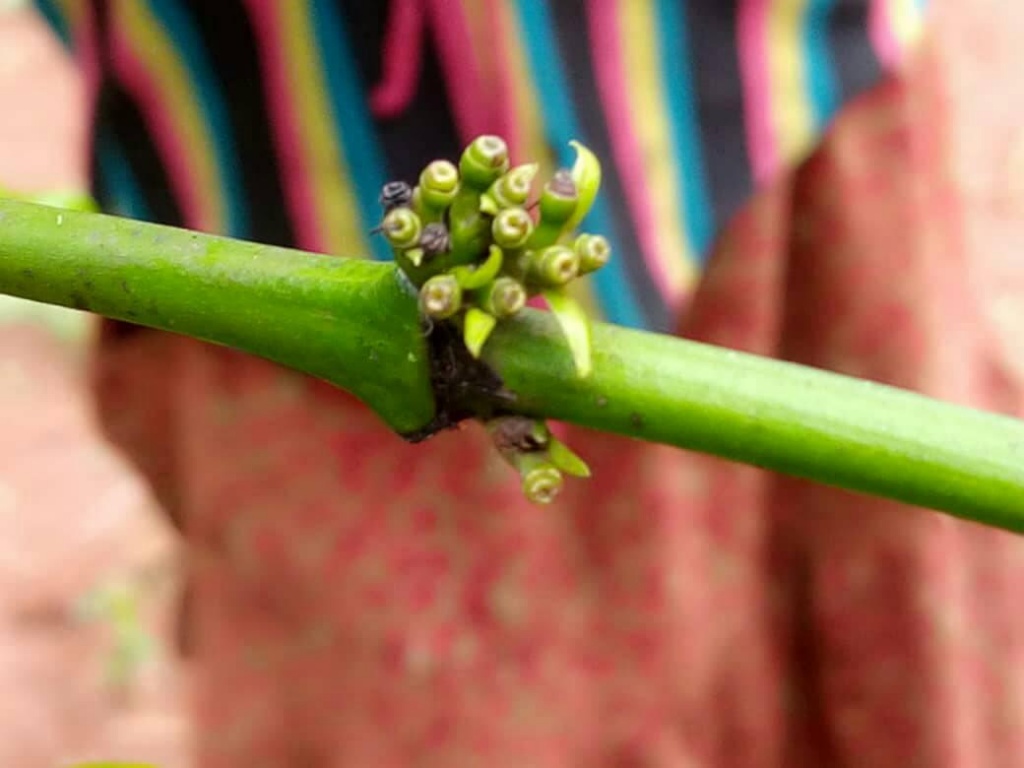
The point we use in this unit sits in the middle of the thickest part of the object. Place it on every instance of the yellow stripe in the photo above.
(533, 141)
(641, 59)
(333, 195)
(484, 48)
(906, 20)
(792, 117)
(151, 45)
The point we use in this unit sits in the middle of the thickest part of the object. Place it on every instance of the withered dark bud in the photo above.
(518, 433)
(435, 240)
(395, 194)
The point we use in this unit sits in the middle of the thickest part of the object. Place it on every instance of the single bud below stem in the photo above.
(522, 434)
(541, 480)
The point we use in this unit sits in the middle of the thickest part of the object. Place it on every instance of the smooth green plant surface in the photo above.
(349, 321)
(356, 324)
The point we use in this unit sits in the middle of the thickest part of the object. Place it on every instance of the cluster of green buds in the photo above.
(478, 243)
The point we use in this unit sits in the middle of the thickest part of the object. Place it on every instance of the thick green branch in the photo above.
(797, 420)
(355, 324)
(349, 321)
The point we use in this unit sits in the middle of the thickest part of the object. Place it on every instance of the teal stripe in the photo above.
(117, 181)
(353, 123)
(823, 85)
(55, 19)
(613, 288)
(690, 169)
(182, 32)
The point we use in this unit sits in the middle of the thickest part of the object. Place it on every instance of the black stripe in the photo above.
(719, 90)
(229, 40)
(117, 113)
(426, 130)
(853, 57)
(570, 22)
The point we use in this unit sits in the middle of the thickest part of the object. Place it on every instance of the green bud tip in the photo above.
(483, 161)
(594, 251)
(440, 297)
(513, 188)
(439, 183)
(511, 228)
(559, 198)
(440, 175)
(402, 228)
(542, 484)
(554, 266)
(505, 297)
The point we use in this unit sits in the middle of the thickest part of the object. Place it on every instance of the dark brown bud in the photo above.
(395, 194)
(435, 240)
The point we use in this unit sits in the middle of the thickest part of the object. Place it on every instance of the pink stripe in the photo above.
(133, 72)
(472, 109)
(498, 28)
(882, 34)
(298, 186)
(613, 87)
(402, 59)
(752, 41)
(88, 54)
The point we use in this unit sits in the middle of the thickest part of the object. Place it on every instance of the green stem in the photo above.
(355, 323)
(349, 321)
(834, 429)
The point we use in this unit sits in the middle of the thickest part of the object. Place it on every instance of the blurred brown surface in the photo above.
(73, 517)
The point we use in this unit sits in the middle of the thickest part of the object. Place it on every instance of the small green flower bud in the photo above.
(557, 203)
(559, 198)
(511, 228)
(402, 228)
(439, 183)
(511, 190)
(483, 161)
(553, 266)
(593, 251)
(541, 480)
(503, 297)
(440, 297)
